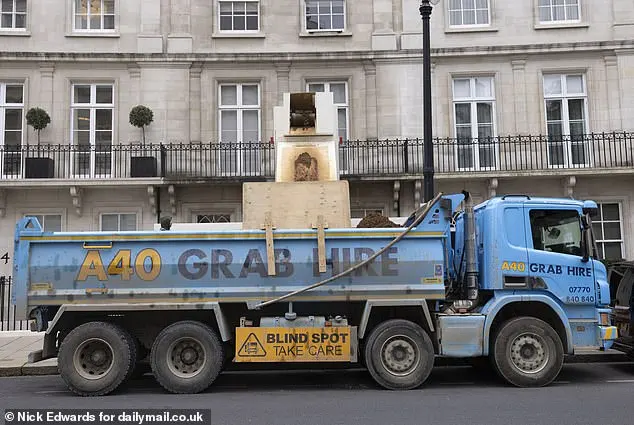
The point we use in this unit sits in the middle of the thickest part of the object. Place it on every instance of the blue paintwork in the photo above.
(461, 335)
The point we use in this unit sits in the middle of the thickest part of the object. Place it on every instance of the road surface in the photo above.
(600, 394)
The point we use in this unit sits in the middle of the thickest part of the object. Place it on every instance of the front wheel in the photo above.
(399, 355)
(527, 352)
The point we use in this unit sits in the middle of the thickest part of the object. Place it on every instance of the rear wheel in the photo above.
(186, 357)
(527, 352)
(399, 355)
(95, 358)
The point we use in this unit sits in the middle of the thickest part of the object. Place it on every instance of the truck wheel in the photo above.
(186, 357)
(399, 355)
(95, 358)
(527, 352)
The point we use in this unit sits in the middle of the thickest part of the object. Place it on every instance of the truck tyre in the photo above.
(399, 355)
(527, 352)
(186, 357)
(95, 358)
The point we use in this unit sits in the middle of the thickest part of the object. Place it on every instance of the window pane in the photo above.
(577, 129)
(337, 6)
(225, 8)
(610, 211)
(81, 22)
(339, 92)
(108, 22)
(95, 22)
(455, 17)
(342, 123)
(613, 251)
(311, 7)
(468, 4)
(238, 8)
(252, 7)
(14, 94)
(469, 17)
(575, 109)
(7, 5)
(482, 4)
(482, 16)
(337, 22)
(6, 21)
(81, 94)
(552, 84)
(559, 13)
(316, 88)
(103, 119)
(229, 126)
(574, 84)
(82, 119)
(463, 113)
(228, 95)
(239, 23)
(553, 110)
(108, 7)
(104, 94)
(20, 21)
(462, 88)
(128, 222)
(485, 131)
(544, 14)
(597, 229)
(485, 113)
(226, 23)
(572, 13)
(455, 4)
(52, 223)
(324, 6)
(13, 119)
(249, 95)
(250, 126)
(311, 22)
(110, 222)
(483, 87)
(544, 2)
(252, 23)
(12, 138)
(324, 22)
(612, 231)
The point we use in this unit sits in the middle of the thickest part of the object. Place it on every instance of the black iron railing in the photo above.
(8, 320)
(357, 158)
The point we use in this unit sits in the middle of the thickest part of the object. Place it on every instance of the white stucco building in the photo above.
(530, 97)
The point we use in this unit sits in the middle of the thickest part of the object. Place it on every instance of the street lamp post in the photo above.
(428, 160)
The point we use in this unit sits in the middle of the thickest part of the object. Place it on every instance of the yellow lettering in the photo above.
(121, 264)
(505, 265)
(155, 264)
(521, 267)
(92, 266)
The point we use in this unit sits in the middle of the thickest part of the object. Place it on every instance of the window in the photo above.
(469, 13)
(118, 222)
(325, 15)
(13, 14)
(556, 231)
(566, 111)
(557, 11)
(11, 128)
(49, 222)
(213, 218)
(239, 15)
(239, 106)
(474, 118)
(608, 232)
(92, 108)
(93, 15)
(339, 91)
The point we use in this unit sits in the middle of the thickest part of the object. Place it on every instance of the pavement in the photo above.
(15, 347)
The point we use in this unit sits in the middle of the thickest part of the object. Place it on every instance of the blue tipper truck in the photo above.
(515, 279)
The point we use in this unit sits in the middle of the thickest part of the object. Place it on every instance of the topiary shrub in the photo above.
(38, 118)
(141, 116)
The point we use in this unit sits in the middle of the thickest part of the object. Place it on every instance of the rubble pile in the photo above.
(376, 220)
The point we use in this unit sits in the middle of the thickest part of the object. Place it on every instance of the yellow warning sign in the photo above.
(332, 344)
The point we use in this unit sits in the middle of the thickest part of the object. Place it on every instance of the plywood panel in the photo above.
(296, 205)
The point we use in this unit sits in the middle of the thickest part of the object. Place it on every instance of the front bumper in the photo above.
(607, 335)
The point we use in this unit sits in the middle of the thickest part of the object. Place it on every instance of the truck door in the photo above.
(555, 260)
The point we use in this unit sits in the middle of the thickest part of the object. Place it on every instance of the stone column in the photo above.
(519, 98)
(195, 105)
(283, 70)
(150, 39)
(180, 39)
(371, 124)
(614, 92)
(383, 36)
(46, 94)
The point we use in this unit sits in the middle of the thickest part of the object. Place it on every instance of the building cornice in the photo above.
(158, 59)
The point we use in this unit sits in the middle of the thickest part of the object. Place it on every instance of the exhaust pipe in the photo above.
(471, 273)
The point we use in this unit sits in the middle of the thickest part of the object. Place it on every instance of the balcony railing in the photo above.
(382, 158)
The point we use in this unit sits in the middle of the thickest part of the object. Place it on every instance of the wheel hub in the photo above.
(93, 358)
(186, 357)
(399, 355)
(528, 353)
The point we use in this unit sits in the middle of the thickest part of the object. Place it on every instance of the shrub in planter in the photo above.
(141, 116)
(38, 118)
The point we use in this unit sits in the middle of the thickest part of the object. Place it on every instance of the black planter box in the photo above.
(39, 168)
(143, 166)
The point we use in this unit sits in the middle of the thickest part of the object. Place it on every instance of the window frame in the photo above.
(600, 243)
(43, 214)
(92, 106)
(119, 214)
(3, 107)
(564, 97)
(234, 31)
(553, 22)
(101, 30)
(450, 25)
(14, 13)
(327, 83)
(304, 25)
(473, 100)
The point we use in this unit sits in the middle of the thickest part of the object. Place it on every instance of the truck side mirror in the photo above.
(586, 239)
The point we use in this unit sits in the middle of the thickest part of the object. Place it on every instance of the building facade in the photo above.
(529, 97)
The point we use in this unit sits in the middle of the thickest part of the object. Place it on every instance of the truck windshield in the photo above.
(556, 231)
